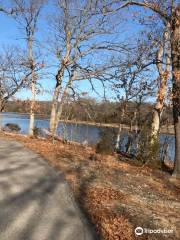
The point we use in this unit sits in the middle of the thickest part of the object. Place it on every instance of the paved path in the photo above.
(35, 201)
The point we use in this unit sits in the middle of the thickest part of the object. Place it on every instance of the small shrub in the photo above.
(106, 143)
(13, 127)
(36, 132)
(148, 149)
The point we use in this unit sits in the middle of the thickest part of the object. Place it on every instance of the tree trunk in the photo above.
(175, 46)
(59, 105)
(31, 120)
(33, 88)
(54, 109)
(156, 121)
(163, 77)
(58, 115)
(57, 92)
(118, 139)
(2, 105)
(159, 107)
(1, 117)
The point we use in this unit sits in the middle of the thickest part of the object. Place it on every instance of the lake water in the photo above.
(69, 131)
(76, 132)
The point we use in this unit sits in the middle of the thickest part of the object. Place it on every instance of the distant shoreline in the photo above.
(164, 130)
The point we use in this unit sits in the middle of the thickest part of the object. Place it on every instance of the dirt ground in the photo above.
(116, 194)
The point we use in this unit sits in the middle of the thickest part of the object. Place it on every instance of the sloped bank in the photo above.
(116, 195)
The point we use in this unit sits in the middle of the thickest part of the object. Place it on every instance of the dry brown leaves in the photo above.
(114, 179)
(99, 202)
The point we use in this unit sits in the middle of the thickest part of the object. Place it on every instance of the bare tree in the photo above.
(77, 28)
(7, 10)
(164, 74)
(168, 12)
(27, 15)
(132, 78)
(14, 74)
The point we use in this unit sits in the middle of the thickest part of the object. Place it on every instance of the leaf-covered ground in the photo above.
(116, 195)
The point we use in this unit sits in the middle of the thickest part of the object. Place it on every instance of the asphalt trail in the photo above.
(35, 200)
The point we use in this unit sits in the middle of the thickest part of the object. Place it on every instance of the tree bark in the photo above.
(1, 105)
(58, 115)
(31, 120)
(158, 109)
(58, 89)
(163, 77)
(118, 139)
(1, 117)
(63, 97)
(56, 95)
(33, 88)
(54, 108)
(175, 48)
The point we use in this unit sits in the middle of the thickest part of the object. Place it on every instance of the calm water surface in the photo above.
(76, 132)
(69, 131)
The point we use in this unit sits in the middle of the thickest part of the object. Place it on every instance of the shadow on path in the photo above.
(35, 201)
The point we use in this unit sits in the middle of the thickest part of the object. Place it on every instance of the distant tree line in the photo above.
(129, 47)
(90, 110)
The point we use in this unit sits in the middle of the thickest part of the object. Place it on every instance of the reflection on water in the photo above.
(167, 142)
(77, 132)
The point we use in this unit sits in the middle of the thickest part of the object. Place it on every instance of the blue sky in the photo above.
(12, 35)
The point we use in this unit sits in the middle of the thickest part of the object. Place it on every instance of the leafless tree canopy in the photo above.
(128, 49)
(14, 74)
